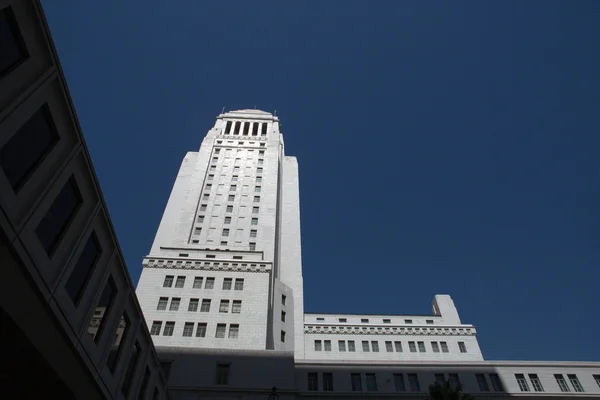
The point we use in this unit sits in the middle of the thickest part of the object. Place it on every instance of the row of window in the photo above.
(233, 187)
(217, 150)
(390, 346)
(560, 380)
(209, 283)
(201, 329)
(230, 197)
(236, 305)
(230, 142)
(234, 178)
(249, 128)
(367, 320)
(236, 169)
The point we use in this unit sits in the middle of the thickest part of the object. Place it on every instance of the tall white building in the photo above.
(222, 294)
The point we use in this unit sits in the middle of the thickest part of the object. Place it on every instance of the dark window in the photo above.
(56, 221)
(143, 387)
(246, 128)
(166, 367)
(131, 367)
(82, 272)
(356, 381)
(236, 130)
(26, 149)
(255, 129)
(116, 349)
(228, 127)
(264, 130)
(371, 382)
(413, 382)
(222, 374)
(439, 378)
(328, 381)
(399, 383)
(496, 383)
(482, 383)
(12, 46)
(454, 380)
(313, 381)
(97, 323)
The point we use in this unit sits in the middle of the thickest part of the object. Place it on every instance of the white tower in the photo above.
(225, 268)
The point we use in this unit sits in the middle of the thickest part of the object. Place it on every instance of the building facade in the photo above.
(222, 294)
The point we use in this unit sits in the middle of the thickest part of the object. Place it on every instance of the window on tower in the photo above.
(246, 128)
(264, 129)
(236, 130)
(255, 129)
(228, 127)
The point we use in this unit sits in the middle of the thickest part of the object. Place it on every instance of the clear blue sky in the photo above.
(444, 147)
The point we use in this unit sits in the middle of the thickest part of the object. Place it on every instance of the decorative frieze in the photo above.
(386, 330)
(165, 263)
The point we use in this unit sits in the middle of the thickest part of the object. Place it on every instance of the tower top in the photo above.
(248, 113)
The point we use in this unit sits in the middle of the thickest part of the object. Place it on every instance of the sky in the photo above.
(444, 147)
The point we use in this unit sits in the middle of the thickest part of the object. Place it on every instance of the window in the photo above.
(283, 316)
(435, 347)
(227, 283)
(174, 304)
(104, 304)
(254, 210)
(228, 127)
(263, 130)
(222, 372)
(246, 128)
(180, 282)
(389, 347)
(412, 347)
(234, 178)
(462, 347)
(197, 230)
(203, 207)
(562, 384)
(429, 321)
(283, 337)
(239, 284)
(188, 329)
(341, 345)
(225, 232)
(200, 218)
(399, 383)
(206, 196)
(496, 383)
(193, 306)
(210, 283)
(318, 345)
(233, 188)
(236, 169)
(351, 346)
(201, 329)
(254, 221)
(575, 382)
(131, 366)
(408, 321)
(237, 257)
(205, 307)
(327, 345)
(364, 320)
(343, 320)
(421, 347)
(210, 256)
(439, 378)
(258, 179)
(253, 233)
(13, 47)
(365, 345)
(229, 208)
(208, 187)
(597, 379)
(313, 381)
(227, 220)
(444, 347)
(198, 282)
(255, 129)
(482, 383)
(231, 197)
(454, 381)
(252, 246)
(283, 298)
(356, 381)
(259, 170)
(413, 383)
(398, 346)
(162, 303)
(169, 328)
(522, 382)
(256, 189)
(387, 321)
(52, 227)
(82, 272)
(371, 382)
(236, 307)
(535, 382)
(327, 381)
(25, 150)
(236, 129)
(234, 330)
(220, 332)
(375, 346)
(155, 330)
(224, 306)
(256, 199)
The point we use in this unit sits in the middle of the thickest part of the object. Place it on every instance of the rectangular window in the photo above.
(82, 272)
(356, 381)
(482, 383)
(169, 328)
(239, 284)
(562, 384)
(522, 382)
(283, 316)
(413, 383)
(256, 199)
(421, 347)
(206, 196)
(210, 283)
(371, 382)
(462, 347)
(389, 347)
(168, 281)
(198, 282)
(193, 306)
(313, 381)
(201, 329)
(575, 382)
(327, 345)
(156, 326)
(387, 321)
(227, 220)
(261, 161)
(365, 346)
(341, 345)
(283, 298)
(180, 282)
(200, 218)
(444, 347)
(264, 129)
(254, 221)
(408, 321)
(104, 306)
(398, 346)
(23, 153)
(412, 347)
(364, 320)
(234, 330)
(231, 197)
(252, 246)
(246, 128)
(229, 208)
(255, 210)
(220, 332)
(236, 307)
(203, 207)
(351, 346)
(399, 383)
(256, 189)
(233, 188)
(53, 226)
(327, 381)
(227, 283)
(258, 179)
(318, 345)
(228, 127)
(454, 381)
(282, 336)
(175, 304)
(162, 303)
(435, 347)
(197, 230)
(224, 306)
(253, 233)
(535, 382)
(255, 129)
(205, 307)
(236, 129)
(225, 232)
(188, 329)
(439, 378)
(375, 346)
(222, 372)
(429, 321)
(496, 383)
